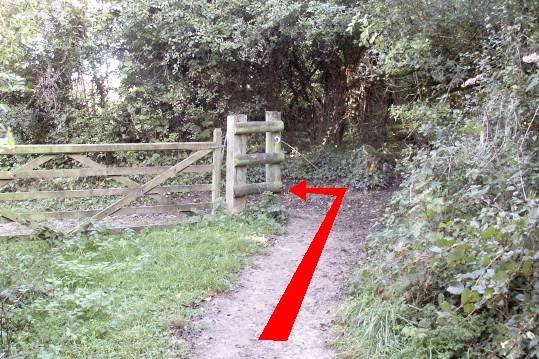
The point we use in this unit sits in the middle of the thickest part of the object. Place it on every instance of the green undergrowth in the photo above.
(361, 168)
(121, 296)
(453, 271)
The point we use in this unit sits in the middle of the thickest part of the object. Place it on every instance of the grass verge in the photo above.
(121, 296)
(369, 324)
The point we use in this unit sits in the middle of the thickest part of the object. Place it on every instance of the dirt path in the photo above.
(231, 323)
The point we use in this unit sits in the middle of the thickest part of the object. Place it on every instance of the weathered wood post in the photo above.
(236, 146)
(216, 174)
(237, 160)
(273, 145)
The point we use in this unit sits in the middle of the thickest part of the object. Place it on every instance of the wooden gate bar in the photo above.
(257, 188)
(21, 218)
(99, 192)
(126, 211)
(273, 146)
(88, 162)
(272, 125)
(98, 172)
(216, 175)
(236, 146)
(116, 147)
(126, 181)
(258, 158)
(30, 165)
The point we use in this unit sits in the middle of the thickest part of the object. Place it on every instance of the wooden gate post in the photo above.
(237, 159)
(216, 173)
(273, 145)
(236, 145)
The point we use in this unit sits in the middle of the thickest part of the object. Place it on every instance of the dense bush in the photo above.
(360, 168)
(457, 260)
(141, 71)
(54, 60)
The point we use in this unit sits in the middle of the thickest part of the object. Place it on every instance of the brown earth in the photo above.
(230, 324)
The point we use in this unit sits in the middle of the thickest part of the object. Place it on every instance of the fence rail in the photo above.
(100, 192)
(114, 147)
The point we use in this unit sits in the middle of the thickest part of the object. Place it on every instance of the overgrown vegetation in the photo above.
(359, 168)
(161, 70)
(127, 295)
(456, 264)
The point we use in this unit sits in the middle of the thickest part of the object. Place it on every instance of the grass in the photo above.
(369, 325)
(376, 322)
(123, 296)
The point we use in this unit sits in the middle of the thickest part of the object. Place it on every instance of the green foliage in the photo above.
(458, 252)
(192, 63)
(54, 64)
(125, 295)
(377, 325)
(81, 71)
(422, 120)
(361, 168)
(266, 207)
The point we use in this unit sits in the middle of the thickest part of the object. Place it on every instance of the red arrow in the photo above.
(282, 320)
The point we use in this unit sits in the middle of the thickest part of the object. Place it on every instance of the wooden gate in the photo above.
(131, 190)
(237, 159)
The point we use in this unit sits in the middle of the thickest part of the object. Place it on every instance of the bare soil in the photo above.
(113, 222)
(119, 222)
(230, 324)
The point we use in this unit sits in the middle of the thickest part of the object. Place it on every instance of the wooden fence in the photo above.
(238, 160)
(128, 193)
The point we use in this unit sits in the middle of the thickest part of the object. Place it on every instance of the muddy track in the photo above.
(229, 325)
